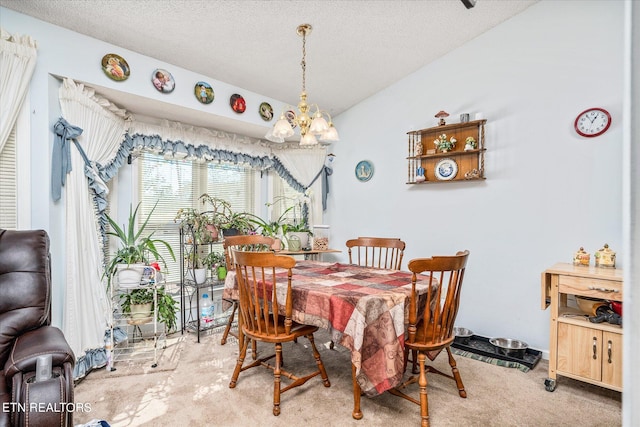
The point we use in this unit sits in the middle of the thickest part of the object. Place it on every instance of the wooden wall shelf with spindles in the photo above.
(452, 166)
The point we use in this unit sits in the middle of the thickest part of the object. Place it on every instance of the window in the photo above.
(285, 197)
(175, 184)
(8, 184)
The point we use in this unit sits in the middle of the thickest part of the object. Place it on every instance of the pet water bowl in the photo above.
(462, 334)
(510, 347)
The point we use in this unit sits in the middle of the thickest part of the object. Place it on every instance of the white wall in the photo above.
(548, 191)
(68, 54)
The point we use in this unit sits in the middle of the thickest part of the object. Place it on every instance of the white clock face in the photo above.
(592, 122)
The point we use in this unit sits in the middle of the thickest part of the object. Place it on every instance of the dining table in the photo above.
(365, 309)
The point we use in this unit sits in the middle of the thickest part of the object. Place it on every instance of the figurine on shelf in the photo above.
(444, 145)
(605, 257)
(470, 143)
(418, 148)
(420, 175)
(581, 257)
(441, 115)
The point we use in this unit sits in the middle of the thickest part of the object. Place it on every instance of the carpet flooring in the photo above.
(190, 388)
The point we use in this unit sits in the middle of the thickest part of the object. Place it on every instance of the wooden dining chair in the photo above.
(432, 332)
(248, 242)
(376, 252)
(260, 308)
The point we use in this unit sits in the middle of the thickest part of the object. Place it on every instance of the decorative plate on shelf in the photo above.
(237, 103)
(163, 80)
(364, 170)
(266, 111)
(291, 117)
(446, 169)
(115, 67)
(204, 92)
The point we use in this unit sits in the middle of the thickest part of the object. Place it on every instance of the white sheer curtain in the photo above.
(17, 62)
(304, 164)
(86, 308)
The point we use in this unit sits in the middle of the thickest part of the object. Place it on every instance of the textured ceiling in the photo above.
(356, 49)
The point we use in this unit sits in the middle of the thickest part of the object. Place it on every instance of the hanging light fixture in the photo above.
(313, 128)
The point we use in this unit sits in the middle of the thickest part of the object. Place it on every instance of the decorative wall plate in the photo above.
(291, 116)
(266, 112)
(446, 169)
(115, 67)
(364, 170)
(163, 80)
(237, 103)
(204, 92)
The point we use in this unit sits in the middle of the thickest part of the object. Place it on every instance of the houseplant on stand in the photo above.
(135, 248)
(138, 305)
(215, 261)
(231, 223)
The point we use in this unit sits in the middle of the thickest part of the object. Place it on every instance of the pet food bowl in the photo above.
(510, 347)
(462, 334)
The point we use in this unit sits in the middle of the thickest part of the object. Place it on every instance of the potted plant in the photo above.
(297, 231)
(138, 305)
(197, 225)
(231, 223)
(215, 261)
(194, 261)
(135, 248)
(270, 228)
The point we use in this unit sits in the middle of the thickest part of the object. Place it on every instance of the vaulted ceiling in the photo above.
(356, 48)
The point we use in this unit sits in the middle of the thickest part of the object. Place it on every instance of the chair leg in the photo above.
(316, 355)
(422, 382)
(456, 374)
(276, 380)
(223, 341)
(238, 368)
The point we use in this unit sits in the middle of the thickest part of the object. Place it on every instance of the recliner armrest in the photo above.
(39, 342)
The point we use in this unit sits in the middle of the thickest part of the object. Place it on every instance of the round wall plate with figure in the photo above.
(446, 169)
(364, 170)
(115, 67)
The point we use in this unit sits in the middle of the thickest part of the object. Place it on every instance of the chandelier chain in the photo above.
(303, 63)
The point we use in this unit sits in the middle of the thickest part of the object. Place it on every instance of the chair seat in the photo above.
(297, 330)
(426, 343)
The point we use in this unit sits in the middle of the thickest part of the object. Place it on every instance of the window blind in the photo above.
(173, 184)
(8, 184)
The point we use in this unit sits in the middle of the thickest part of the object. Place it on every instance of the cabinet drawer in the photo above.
(586, 286)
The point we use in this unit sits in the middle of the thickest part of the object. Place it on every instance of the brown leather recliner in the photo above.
(25, 334)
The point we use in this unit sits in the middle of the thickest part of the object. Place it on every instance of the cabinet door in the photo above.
(612, 358)
(580, 351)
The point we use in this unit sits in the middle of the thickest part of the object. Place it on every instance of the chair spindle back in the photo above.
(443, 297)
(260, 299)
(376, 252)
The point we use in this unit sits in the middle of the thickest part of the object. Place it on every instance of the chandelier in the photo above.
(313, 127)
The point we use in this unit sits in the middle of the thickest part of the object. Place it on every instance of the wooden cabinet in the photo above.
(579, 349)
(454, 165)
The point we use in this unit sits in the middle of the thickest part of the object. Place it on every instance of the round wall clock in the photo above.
(592, 122)
(364, 170)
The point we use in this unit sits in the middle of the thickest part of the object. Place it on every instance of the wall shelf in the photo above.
(467, 165)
